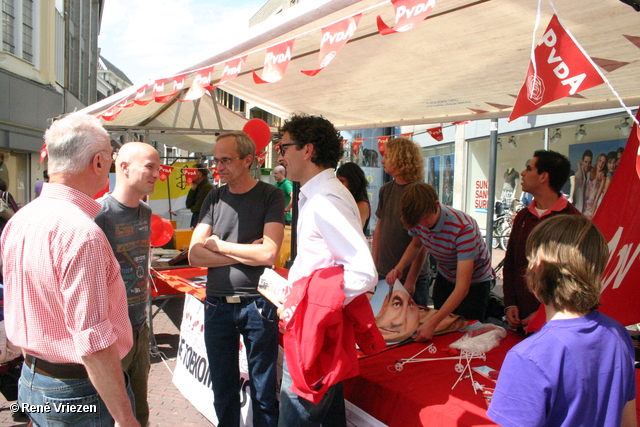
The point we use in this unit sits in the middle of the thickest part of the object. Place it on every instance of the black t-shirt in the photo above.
(240, 218)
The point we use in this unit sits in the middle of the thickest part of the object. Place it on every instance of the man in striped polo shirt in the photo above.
(453, 238)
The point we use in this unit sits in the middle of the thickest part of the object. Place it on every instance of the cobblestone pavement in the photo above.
(167, 405)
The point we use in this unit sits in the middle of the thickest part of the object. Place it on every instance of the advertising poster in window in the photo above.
(433, 173)
(592, 167)
(447, 180)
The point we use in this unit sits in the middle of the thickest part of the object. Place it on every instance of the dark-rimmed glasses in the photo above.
(281, 149)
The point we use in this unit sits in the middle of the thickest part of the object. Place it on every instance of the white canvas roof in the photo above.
(467, 61)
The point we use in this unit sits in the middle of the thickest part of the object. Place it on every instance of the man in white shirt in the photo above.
(329, 234)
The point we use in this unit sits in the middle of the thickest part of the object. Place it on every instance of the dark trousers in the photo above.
(473, 306)
(256, 320)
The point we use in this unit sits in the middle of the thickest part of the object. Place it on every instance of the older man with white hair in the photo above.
(65, 303)
(126, 221)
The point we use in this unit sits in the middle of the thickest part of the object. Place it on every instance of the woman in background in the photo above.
(352, 177)
(578, 369)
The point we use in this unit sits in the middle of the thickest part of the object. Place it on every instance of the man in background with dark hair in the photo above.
(543, 177)
(329, 234)
(200, 187)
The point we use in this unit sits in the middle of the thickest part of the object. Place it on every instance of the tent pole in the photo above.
(493, 160)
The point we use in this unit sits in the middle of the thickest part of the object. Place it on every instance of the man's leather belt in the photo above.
(236, 299)
(66, 371)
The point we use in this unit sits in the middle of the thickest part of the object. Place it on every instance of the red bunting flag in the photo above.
(409, 14)
(216, 175)
(140, 94)
(158, 89)
(356, 144)
(231, 70)
(562, 68)
(111, 113)
(261, 158)
(344, 141)
(200, 85)
(466, 122)
(43, 152)
(189, 174)
(276, 61)
(165, 171)
(382, 144)
(407, 135)
(435, 133)
(334, 37)
(178, 84)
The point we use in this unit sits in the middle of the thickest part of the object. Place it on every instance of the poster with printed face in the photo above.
(433, 172)
(593, 165)
(446, 197)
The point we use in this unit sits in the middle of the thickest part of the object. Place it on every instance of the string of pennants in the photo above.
(559, 66)
(190, 173)
(408, 14)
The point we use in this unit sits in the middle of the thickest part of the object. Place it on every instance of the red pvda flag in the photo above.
(200, 84)
(409, 13)
(231, 70)
(382, 144)
(275, 63)
(334, 37)
(562, 69)
(164, 172)
(178, 83)
(356, 144)
(436, 133)
(189, 174)
(618, 218)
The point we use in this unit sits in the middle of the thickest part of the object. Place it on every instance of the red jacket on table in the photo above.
(321, 335)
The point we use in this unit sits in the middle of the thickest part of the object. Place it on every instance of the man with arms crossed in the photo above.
(126, 221)
(239, 234)
(65, 302)
(329, 234)
(543, 177)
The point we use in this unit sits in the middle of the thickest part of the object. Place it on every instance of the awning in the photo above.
(466, 61)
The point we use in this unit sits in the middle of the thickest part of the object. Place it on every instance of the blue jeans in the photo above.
(296, 411)
(421, 294)
(257, 321)
(46, 392)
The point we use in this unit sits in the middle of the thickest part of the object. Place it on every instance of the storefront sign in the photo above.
(481, 197)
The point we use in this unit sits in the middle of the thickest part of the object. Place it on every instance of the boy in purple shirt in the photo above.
(578, 370)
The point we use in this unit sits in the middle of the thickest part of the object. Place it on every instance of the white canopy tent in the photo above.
(466, 61)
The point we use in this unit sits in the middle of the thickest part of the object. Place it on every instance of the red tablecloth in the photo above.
(421, 395)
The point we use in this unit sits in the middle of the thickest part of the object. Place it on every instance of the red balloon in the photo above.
(161, 231)
(259, 132)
